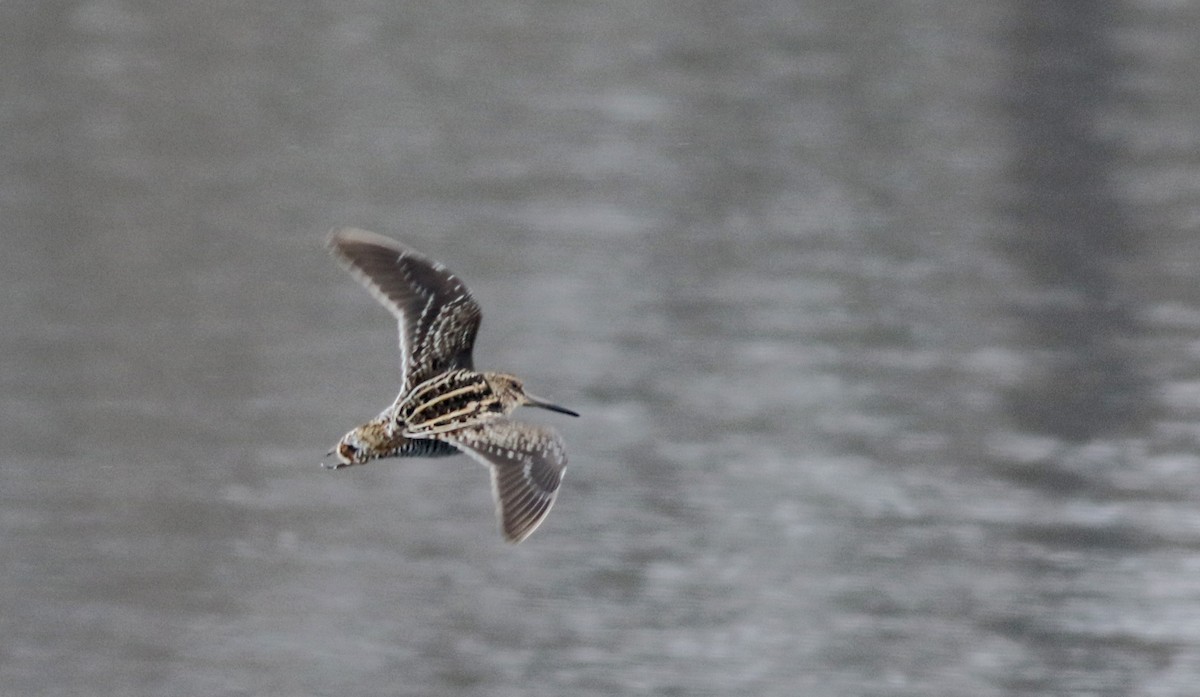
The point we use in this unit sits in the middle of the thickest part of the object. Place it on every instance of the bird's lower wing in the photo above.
(527, 464)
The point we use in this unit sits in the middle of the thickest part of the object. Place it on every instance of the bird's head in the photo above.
(511, 391)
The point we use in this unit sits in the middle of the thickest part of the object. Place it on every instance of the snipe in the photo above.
(445, 406)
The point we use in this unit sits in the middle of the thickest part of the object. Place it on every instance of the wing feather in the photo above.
(438, 318)
(527, 464)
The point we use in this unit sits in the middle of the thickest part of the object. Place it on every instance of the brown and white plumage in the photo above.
(527, 464)
(444, 405)
(438, 318)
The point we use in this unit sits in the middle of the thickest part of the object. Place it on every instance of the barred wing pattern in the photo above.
(438, 317)
(527, 464)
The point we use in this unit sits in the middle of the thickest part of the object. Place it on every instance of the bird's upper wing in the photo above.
(437, 315)
(527, 464)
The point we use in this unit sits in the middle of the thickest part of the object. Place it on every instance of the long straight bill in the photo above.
(535, 402)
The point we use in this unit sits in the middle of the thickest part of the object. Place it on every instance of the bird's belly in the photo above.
(425, 447)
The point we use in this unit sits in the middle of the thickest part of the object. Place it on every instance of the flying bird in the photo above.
(445, 406)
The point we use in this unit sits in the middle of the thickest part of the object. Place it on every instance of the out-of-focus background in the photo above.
(884, 320)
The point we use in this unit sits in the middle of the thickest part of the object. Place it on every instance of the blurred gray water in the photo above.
(884, 319)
